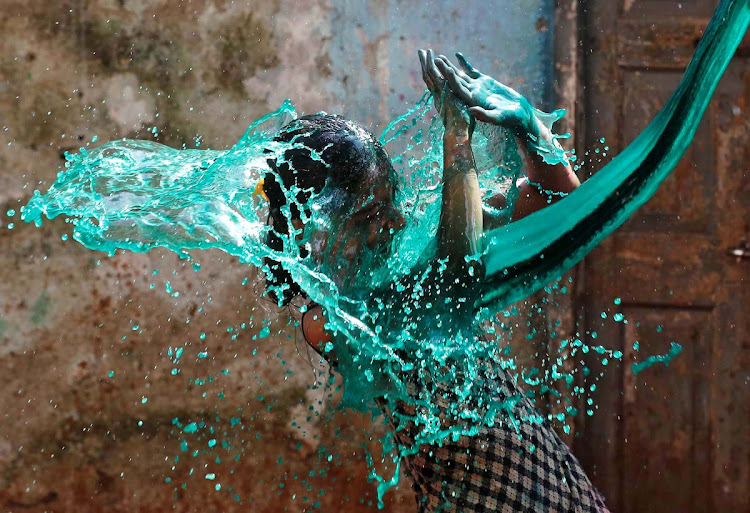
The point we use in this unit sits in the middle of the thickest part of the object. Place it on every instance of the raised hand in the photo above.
(488, 100)
(434, 81)
(455, 113)
(460, 229)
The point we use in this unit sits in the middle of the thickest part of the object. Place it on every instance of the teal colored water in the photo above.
(391, 334)
(674, 350)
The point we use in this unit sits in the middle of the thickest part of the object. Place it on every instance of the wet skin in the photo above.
(357, 227)
(462, 95)
(367, 221)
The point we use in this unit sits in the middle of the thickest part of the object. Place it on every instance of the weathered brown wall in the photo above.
(89, 400)
(75, 371)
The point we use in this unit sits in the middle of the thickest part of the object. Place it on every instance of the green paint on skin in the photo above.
(39, 310)
(666, 359)
(3, 327)
(399, 323)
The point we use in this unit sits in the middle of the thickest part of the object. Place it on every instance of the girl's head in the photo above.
(352, 218)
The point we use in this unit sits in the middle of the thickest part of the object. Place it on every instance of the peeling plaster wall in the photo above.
(88, 397)
(373, 73)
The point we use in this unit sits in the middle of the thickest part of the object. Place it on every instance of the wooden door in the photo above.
(673, 439)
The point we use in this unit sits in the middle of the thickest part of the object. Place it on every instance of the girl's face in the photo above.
(351, 233)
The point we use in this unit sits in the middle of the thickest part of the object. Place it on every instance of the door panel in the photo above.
(684, 202)
(671, 438)
(659, 448)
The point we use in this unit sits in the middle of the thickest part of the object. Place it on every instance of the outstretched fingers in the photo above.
(459, 73)
(430, 74)
(432, 69)
(425, 75)
(466, 66)
(458, 84)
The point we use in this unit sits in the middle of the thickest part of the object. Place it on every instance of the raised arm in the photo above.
(544, 183)
(460, 227)
(549, 175)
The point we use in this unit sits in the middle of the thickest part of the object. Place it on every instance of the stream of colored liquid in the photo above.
(137, 195)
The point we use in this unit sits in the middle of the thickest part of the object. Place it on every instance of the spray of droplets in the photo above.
(406, 346)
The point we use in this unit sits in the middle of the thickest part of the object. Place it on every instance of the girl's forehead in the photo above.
(378, 183)
(381, 175)
(372, 188)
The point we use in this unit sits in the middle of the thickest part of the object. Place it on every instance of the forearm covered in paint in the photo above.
(544, 183)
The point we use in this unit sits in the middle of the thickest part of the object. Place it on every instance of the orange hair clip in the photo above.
(259, 189)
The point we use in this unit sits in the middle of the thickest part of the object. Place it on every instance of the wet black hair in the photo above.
(347, 152)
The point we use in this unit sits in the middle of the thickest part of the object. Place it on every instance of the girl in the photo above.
(504, 466)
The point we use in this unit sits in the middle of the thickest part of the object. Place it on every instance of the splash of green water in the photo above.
(136, 195)
(674, 350)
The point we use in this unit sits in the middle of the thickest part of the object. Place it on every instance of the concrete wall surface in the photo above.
(104, 367)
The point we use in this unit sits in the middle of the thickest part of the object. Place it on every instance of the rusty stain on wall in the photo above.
(89, 396)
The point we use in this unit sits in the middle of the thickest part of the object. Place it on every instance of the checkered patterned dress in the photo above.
(504, 468)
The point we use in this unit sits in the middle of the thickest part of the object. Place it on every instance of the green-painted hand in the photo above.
(488, 100)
